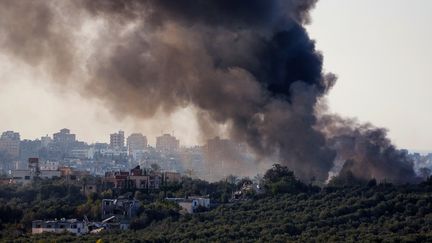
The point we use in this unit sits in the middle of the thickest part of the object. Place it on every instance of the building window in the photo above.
(27, 177)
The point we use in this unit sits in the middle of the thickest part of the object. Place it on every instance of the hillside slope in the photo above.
(380, 213)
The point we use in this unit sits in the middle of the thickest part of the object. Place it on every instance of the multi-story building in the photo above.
(48, 171)
(82, 153)
(29, 149)
(10, 144)
(117, 140)
(46, 141)
(64, 137)
(167, 144)
(139, 178)
(25, 177)
(63, 142)
(136, 142)
(216, 148)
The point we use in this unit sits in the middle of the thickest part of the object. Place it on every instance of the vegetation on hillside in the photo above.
(345, 210)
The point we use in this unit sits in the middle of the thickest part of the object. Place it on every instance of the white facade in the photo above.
(191, 204)
(113, 152)
(59, 226)
(87, 153)
(22, 176)
(49, 165)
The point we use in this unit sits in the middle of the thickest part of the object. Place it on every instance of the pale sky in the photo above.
(380, 51)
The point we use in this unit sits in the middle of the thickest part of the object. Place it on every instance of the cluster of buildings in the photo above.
(214, 160)
(121, 153)
(117, 214)
(46, 170)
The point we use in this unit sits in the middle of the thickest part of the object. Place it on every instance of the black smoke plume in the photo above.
(247, 64)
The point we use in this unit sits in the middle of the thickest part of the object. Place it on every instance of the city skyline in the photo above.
(109, 139)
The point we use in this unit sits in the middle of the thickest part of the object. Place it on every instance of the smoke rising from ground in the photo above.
(248, 65)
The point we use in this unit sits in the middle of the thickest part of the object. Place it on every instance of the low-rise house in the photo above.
(139, 178)
(59, 226)
(117, 179)
(24, 177)
(121, 208)
(191, 204)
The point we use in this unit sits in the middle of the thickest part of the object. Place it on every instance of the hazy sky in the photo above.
(379, 49)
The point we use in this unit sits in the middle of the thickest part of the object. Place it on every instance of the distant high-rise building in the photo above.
(167, 143)
(217, 148)
(10, 143)
(117, 140)
(63, 143)
(29, 149)
(46, 141)
(136, 142)
(64, 137)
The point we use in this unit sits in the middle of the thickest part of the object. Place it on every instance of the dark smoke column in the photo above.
(246, 63)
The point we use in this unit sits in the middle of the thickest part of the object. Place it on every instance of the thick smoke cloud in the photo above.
(247, 64)
(366, 150)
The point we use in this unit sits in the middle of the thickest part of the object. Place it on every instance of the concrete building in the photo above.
(46, 141)
(121, 210)
(167, 144)
(29, 149)
(83, 153)
(136, 142)
(59, 226)
(138, 179)
(191, 204)
(217, 148)
(25, 177)
(64, 137)
(72, 174)
(10, 143)
(49, 165)
(34, 170)
(117, 179)
(63, 143)
(117, 140)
